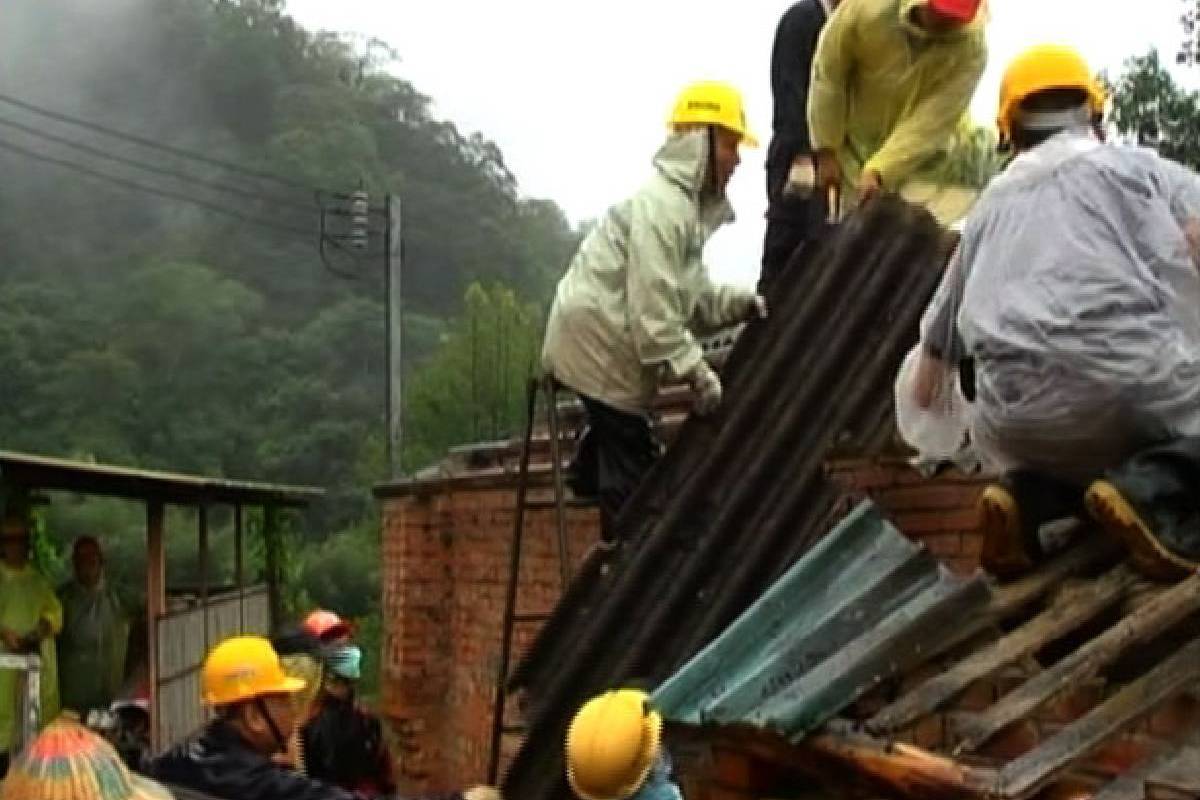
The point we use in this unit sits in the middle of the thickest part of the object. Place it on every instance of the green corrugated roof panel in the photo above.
(864, 605)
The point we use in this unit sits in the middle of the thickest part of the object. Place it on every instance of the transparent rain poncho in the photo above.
(1076, 294)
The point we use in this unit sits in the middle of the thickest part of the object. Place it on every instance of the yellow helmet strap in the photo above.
(710, 176)
(280, 740)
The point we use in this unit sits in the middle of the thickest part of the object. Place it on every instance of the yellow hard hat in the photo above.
(612, 744)
(243, 668)
(713, 103)
(1039, 69)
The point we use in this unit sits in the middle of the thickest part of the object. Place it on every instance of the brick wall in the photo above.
(938, 512)
(446, 556)
(446, 551)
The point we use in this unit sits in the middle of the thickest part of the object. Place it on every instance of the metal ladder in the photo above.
(548, 388)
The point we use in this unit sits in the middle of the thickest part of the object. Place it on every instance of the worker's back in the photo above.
(1082, 298)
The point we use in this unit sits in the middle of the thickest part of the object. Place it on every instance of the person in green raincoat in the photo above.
(30, 618)
(91, 648)
(891, 83)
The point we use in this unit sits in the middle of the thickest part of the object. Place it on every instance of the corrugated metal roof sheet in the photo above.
(1067, 674)
(742, 494)
(862, 606)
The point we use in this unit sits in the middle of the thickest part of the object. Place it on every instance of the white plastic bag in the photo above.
(938, 432)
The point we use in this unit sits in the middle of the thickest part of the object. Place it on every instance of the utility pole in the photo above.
(355, 245)
(392, 260)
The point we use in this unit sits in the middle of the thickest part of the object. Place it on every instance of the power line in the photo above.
(144, 142)
(165, 193)
(135, 164)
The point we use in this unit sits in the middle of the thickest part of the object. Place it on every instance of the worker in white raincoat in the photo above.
(891, 83)
(627, 312)
(1077, 297)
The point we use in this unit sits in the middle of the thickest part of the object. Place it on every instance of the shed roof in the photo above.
(57, 474)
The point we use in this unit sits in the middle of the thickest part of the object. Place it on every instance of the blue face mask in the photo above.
(346, 662)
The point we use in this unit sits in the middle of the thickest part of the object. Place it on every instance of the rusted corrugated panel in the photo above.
(742, 494)
(863, 605)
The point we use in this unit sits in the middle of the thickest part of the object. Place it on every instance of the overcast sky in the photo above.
(576, 95)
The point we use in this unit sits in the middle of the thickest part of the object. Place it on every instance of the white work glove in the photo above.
(758, 308)
(707, 389)
(749, 307)
(802, 178)
(482, 793)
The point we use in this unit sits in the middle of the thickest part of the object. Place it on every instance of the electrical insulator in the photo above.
(358, 220)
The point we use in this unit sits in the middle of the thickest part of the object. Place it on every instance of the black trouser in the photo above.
(1042, 499)
(790, 223)
(4, 759)
(1163, 485)
(615, 453)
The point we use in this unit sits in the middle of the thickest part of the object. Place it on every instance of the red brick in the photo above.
(972, 543)
(1175, 718)
(1014, 741)
(962, 565)
(931, 496)
(732, 770)
(1071, 705)
(445, 567)
(929, 733)
(978, 696)
(716, 792)
(917, 523)
(1119, 755)
(942, 545)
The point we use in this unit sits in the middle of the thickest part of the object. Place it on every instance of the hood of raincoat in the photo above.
(1036, 163)
(683, 160)
(637, 293)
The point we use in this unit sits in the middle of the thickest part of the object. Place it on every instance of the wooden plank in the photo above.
(156, 605)
(1070, 610)
(239, 569)
(845, 757)
(1031, 771)
(1169, 607)
(1180, 773)
(202, 549)
(1132, 784)
(1091, 553)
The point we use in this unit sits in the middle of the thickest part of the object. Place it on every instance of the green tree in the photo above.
(974, 158)
(152, 333)
(1150, 108)
(474, 387)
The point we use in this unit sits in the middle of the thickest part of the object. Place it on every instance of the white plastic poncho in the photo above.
(1078, 297)
(637, 293)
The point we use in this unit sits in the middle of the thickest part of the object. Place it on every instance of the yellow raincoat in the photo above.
(889, 96)
(26, 598)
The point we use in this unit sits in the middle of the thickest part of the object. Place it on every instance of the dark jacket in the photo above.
(791, 70)
(220, 763)
(344, 745)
